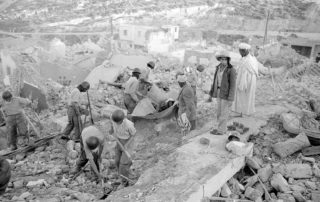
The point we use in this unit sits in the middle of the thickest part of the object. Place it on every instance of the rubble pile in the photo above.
(269, 176)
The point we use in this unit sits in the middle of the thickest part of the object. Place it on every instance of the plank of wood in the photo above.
(311, 151)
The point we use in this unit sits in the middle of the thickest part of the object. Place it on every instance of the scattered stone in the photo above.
(308, 159)
(225, 191)
(296, 171)
(273, 195)
(57, 151)
(55, 156)
(25, 195)
(204, 141)
(64, 168)
(311, 185)
(290, 180)
(73, 154)
(252, 193)
(20, 157)
(77, 147)
(251, 181)
(284, 149)
(70, 145)
(252, 163)
(316, 170)
(286, 197)
(315, 196)
(279, 183)
(297, 188)
(37, 183)
(40, 149)
(18, 184)
(298, 196)
(265, 173)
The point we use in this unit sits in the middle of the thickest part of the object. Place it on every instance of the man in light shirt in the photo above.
(75, 111)
(147, 73)
(124, 130)
(15, 118)
(92, 144)
(131, 91)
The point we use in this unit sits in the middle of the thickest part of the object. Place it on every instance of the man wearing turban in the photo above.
(247, 73)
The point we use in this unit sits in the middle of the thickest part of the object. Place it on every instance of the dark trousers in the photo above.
(82, 161)
(122, 162)
(16, 123)
(195, 94)
(74, 122)
(193, 124)
(129, 103)
(5, 175)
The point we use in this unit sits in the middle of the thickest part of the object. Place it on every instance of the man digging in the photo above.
(92, 143)
(123, 130)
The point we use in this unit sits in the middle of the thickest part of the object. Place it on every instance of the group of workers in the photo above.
(233, 89)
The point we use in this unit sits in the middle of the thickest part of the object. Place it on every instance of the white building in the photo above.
(149, 38)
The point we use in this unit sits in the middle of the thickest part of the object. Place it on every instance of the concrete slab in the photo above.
(191, 172)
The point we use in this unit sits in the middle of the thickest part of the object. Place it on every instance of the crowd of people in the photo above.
(233, 88)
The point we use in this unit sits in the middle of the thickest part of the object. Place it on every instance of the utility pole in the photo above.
(266, 29)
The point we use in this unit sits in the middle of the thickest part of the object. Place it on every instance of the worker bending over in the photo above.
(187, 106)
(75, 111)
(92, 143)
(15, 118)
(124, 130)
(130, 91)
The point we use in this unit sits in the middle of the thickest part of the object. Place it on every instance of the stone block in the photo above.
(225, 191)
(286, 197)
(298, 196)
(265, 173)
(296, 171)
(311, 185)
(253, 194)
(18, 184)
(279, 183)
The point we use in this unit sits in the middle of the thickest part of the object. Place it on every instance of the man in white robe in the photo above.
(247, 73)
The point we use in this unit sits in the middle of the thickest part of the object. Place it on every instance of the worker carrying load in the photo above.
(187, 106)
(75, 111)
(15, 118)
(131, 90)
(92, 143)
(124, 131)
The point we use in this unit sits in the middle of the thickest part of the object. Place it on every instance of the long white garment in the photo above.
(246, 86)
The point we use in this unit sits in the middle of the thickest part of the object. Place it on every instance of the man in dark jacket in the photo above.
(223, 88)
(187, 105)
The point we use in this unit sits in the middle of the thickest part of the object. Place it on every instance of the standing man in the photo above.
(75, 111)
(186, 99)
(193, 76)
(147, 73)
(124, 131)
(92, 143)
(223, 89)
(131, 88)
(15, 118)
(246, 82)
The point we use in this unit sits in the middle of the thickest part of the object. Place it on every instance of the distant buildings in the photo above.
(151, 39)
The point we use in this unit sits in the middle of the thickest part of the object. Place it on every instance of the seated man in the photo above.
(92, 143)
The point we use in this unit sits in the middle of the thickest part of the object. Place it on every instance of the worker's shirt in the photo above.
(145, 73)
(88, 132)
(15, 106)
(220, 74)
(125, 130)
(75, 97)
(131, 88)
